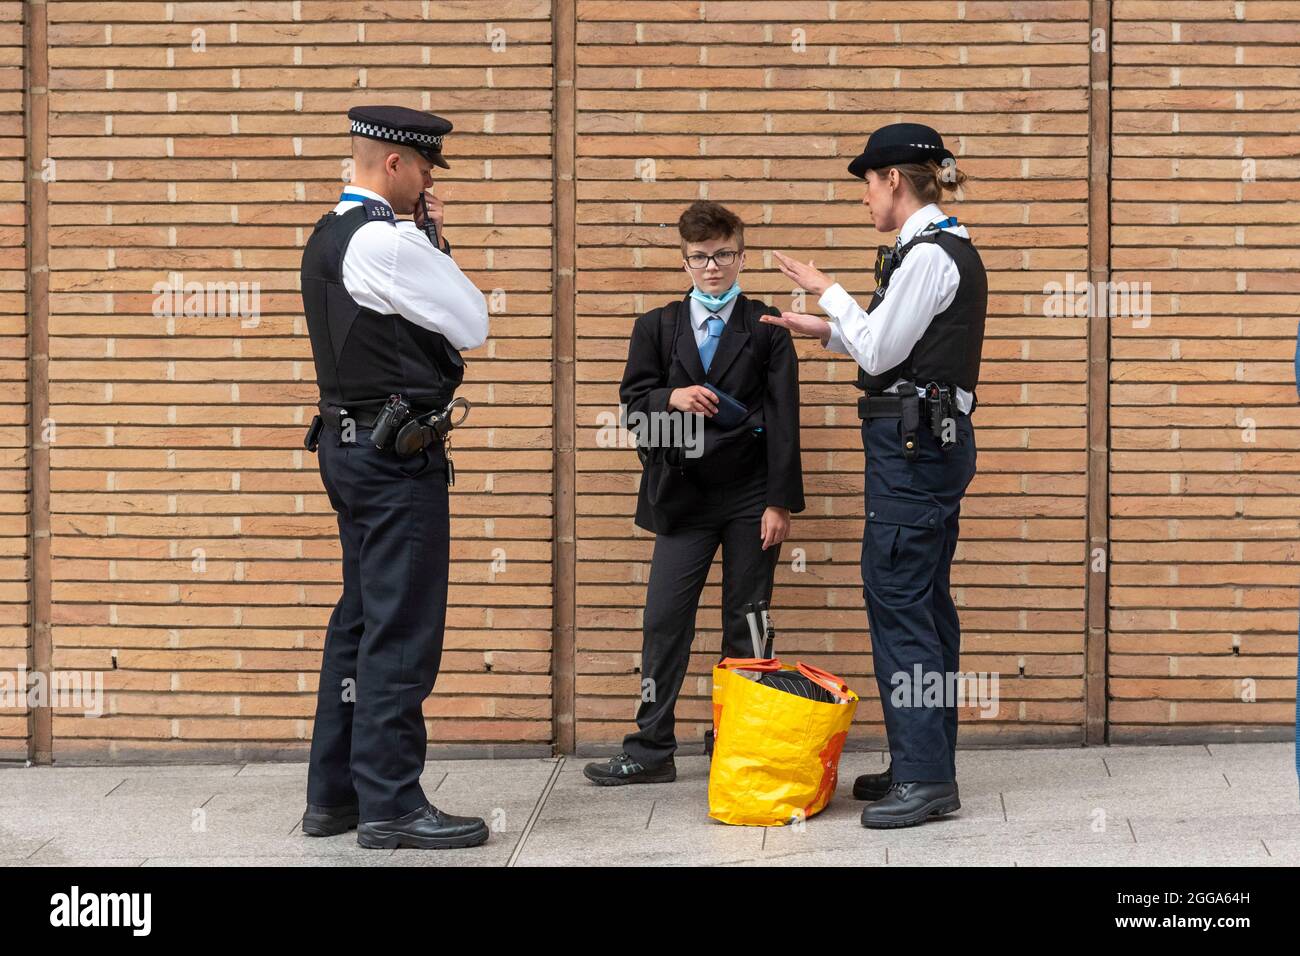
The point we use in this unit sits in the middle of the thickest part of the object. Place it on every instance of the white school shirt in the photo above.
(700, 318)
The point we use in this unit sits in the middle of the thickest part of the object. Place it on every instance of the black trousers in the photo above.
(384, 640)
(728, 514)
(908, 541)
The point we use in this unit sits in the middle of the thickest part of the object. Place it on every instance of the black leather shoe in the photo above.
(910, 803)
(622, 769)
(321, 821)
(873, 786)
(427, 828)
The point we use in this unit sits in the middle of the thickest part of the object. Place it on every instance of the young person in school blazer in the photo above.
(707, 360)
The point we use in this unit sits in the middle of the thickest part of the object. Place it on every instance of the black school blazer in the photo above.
(755, 363)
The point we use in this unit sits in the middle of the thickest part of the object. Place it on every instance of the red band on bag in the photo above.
(764, 664)
(826, 680)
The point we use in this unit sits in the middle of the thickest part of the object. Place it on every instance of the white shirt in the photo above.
(919, 289)
(700, 318)
(396, 270)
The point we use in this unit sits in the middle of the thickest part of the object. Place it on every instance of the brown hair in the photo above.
(705, 219)
(929, 179)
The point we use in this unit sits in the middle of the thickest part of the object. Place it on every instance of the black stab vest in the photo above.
(949, 350)
(363, 356)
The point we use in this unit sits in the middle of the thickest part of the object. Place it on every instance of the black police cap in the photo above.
(900, 143)
(421, 131)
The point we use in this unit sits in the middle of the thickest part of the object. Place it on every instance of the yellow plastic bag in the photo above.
(776, 755)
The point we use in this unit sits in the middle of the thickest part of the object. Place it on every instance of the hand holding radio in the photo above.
(429, 217)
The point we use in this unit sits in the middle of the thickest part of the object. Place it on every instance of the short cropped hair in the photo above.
(705, 219)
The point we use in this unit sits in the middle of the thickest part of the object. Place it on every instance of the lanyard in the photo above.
(346, 196)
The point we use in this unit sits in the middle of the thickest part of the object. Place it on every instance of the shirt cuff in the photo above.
(836, 342)
(836, 302)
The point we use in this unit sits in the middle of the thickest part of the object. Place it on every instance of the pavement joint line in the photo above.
(115, 786)
(441, 780)
(1129, 821)
(41, 847)
(537, 811)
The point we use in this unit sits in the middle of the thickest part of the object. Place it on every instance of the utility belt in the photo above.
(936, 410)
(410, 431)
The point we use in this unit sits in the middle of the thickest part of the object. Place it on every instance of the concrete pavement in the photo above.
(1215, 804)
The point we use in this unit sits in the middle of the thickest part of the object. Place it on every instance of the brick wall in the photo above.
(193, 558)
(1204, 416)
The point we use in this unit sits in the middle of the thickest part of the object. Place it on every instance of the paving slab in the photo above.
(1216, 804)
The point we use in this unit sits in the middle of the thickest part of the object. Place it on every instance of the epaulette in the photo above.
(378, 210)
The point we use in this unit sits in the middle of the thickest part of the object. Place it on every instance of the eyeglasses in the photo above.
(723, 258)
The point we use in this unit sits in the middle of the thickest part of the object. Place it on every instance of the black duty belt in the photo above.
(880, 406)
(936, 411)
(888, 406)
(395, 425)
(335, 415)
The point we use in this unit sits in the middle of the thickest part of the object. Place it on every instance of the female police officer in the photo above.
(917, 345)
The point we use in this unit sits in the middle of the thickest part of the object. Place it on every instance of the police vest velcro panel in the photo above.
(363, 356)
(949, 350)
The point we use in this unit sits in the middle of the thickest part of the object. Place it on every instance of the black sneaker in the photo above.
(622, 769)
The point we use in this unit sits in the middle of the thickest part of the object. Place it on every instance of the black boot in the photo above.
(622, 769)
(910, 803)
(873, 786)
(427, 828)
(321, 821)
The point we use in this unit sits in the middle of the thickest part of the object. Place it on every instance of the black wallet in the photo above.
(730, 412)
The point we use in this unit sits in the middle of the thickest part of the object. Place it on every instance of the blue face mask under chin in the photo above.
(715, 302)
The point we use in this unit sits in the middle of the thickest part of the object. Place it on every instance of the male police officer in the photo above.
(388, 312)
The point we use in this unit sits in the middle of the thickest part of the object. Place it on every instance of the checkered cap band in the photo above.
(396, 135)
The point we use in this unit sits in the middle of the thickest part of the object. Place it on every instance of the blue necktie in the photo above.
(711, 343)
